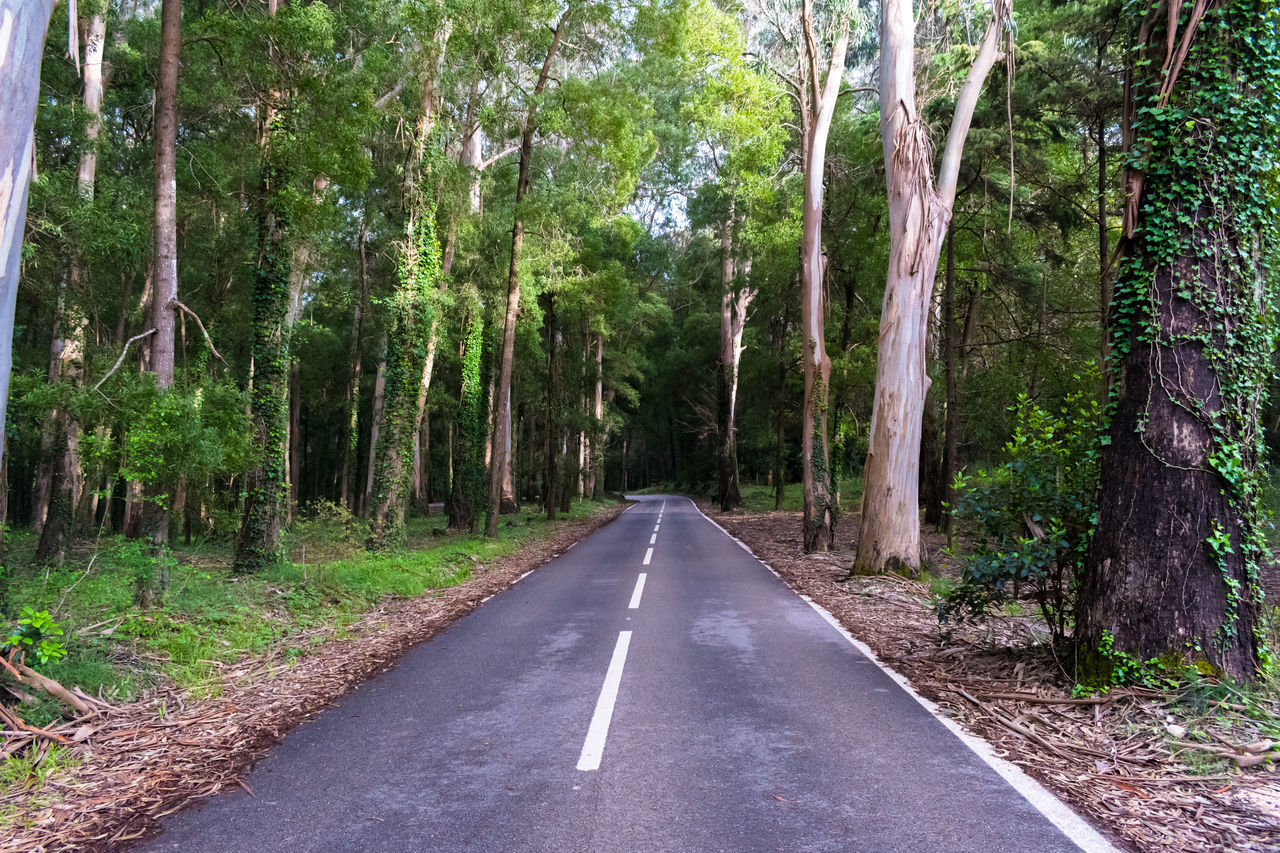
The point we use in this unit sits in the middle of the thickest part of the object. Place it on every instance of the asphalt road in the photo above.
(706, 708)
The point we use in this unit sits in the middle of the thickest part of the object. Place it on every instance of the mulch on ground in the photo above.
(141, 761)
(1132, 762)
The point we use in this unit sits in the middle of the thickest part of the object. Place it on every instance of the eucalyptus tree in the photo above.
(737, 115)
(1175, 565)
(920, 209)
(22, 30)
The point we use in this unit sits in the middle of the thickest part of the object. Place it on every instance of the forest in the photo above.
(371, 277)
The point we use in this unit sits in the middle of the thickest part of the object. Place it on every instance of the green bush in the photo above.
(35, 639)
(1034, 513)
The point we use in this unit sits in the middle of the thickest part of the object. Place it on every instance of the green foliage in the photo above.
(1034, 513)
(34, 640)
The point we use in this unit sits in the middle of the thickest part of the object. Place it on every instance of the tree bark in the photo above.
(499, 470)
(22, 29)
(153, 583)
(919, 215)
(818, 108)
(258, 544)
(349, 440)
(1174, 567)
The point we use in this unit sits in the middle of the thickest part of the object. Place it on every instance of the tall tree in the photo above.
(258, 544)
(919, 216)
(1175, 564)
(501, 446)
(818, 94)
(68, 345)
(153, 582)
(22, 30)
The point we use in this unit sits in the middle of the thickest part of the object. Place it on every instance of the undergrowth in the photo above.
(212, 617)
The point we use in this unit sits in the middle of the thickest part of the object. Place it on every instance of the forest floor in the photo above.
(1190, 768)
(102, 780)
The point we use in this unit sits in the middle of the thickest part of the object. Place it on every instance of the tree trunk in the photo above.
(818, 107)
(499, 470)
(1174, 568)
(551, 482)
(595, 480)
(919, 215)
(375, 423)
(349, 440)
(22, 30)
(467, 475)
(258, 544)
(153, 582)
(951, 426)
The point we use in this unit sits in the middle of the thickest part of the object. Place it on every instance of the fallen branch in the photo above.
(28, 676)
(1049, 700)
(175, 303)
(123, 353)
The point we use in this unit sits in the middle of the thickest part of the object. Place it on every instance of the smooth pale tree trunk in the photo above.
(23, 24)
(919, 215)
(67, 479)
(153, 583)
(731, 295)
(499, 470)
(818, 104)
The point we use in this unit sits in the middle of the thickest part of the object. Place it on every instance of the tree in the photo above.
(499, 469)
(1174, 568)
(919, 215)
(817, 96)
(22, 30)
(153, 583)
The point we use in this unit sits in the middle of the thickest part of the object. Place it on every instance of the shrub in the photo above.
(1034, 513)
(34, 640)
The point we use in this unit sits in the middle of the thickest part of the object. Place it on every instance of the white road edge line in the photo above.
(598, 731)
(635, 596)
(1042, 799)
(653, 539)
(522, 577)
(648, 555)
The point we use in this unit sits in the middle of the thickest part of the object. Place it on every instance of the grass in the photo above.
(212, 618)
(761, 498)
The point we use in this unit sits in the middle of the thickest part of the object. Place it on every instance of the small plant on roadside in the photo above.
(1034, 513)
(35, 639)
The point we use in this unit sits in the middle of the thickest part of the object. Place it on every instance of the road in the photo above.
(655, 688)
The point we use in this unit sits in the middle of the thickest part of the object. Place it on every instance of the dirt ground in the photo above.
(138, 762)
(1154, 771)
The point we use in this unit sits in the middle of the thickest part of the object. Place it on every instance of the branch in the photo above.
(123, 353)
(988, 53)
(176, 304)
(496, 157)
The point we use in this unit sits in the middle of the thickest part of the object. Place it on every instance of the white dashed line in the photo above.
(653, 539)
(635, 596)
(648, 555)
(598, 731)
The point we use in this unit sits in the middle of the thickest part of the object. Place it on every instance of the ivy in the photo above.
(412, 318)
(1206, 152)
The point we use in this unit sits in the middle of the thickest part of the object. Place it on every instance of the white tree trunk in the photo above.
(22, 29)
(919, 214)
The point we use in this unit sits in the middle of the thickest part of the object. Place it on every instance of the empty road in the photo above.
(655, 688)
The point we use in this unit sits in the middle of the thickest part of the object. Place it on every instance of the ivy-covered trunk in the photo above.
(1173, 569)
(410, 336)
(258, 544)
(467, 491)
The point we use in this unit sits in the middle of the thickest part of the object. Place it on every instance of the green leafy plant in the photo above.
(34, 640)
(1034, 513)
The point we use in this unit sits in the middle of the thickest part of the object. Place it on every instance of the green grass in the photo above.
(212, 618)
(761, 498)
